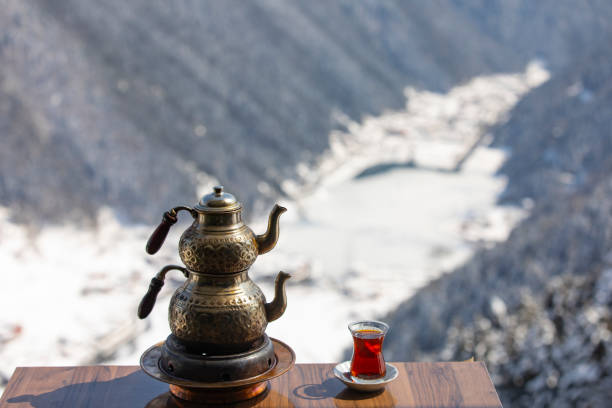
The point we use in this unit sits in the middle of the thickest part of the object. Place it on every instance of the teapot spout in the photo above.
(276, 308)
(267, 241)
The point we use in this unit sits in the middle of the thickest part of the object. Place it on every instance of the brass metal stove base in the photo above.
(168, 400)
(222, 391)
(219, 396)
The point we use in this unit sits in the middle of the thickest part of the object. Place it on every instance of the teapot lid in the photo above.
(218, 201)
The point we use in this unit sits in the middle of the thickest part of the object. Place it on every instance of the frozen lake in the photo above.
(360, 248)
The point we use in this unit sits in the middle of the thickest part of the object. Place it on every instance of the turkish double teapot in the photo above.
(218, 309)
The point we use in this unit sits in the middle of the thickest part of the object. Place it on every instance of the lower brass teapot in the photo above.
(218, 309)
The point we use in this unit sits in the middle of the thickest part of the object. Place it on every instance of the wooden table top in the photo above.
(465, 384)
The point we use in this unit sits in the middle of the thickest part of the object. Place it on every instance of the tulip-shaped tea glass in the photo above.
(368, 362)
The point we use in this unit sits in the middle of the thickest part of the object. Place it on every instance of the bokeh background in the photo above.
(445, 164)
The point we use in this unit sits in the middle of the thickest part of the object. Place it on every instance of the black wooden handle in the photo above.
(148, 301)
(161, 232)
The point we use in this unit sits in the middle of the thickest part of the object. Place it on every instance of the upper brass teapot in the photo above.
(218, 308)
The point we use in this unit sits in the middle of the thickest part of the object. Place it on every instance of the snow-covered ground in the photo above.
(398, 200)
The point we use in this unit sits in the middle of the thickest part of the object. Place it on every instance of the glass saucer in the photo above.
(342, 372)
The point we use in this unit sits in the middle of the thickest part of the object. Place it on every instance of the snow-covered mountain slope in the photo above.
(357, 244)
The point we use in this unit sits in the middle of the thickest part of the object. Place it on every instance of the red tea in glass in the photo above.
(368, 362)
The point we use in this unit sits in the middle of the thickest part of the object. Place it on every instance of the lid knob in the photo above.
(218, 201)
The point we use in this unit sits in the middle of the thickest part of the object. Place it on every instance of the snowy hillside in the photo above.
(357, 244)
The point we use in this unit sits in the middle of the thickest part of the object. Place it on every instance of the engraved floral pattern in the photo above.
(208, 253)
(218, 319)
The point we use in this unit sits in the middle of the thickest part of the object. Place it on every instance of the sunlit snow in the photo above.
(357, 246)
